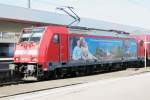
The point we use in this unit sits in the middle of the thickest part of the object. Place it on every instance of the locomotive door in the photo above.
(63, 48)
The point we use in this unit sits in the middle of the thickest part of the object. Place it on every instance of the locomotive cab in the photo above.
(26, 52)
(27, 47)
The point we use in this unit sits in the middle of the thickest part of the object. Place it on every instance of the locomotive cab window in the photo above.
(56, 38)
(32, 34)
(141, 43)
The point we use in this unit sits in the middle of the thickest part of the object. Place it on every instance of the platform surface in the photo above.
(128, 88)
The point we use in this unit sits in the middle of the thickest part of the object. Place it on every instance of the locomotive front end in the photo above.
(26, 53)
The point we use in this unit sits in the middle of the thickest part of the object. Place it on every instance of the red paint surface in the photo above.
(141, 48)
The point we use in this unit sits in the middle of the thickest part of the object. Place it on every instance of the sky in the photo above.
(128, 12)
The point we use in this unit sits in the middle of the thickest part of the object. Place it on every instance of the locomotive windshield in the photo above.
(33, 34)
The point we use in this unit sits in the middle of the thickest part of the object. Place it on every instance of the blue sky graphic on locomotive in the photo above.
(86, 48)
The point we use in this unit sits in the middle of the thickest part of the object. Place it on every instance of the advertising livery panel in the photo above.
(101, 49)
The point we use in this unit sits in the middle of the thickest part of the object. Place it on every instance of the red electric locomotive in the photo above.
(58, 50)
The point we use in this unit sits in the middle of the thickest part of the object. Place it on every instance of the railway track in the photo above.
(6, 79)
(11, 83)
(16, 82)
(5, 73)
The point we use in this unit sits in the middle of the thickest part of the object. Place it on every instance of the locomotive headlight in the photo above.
(16, 58)
(34, 59)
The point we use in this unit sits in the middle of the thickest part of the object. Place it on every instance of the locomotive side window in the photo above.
(141, 43)
(56, 38)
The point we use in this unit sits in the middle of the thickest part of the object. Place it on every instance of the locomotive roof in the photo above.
(98, 32)
(92, 31)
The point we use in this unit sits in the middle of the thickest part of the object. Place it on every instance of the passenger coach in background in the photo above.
(55, 51)
(143, 41)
